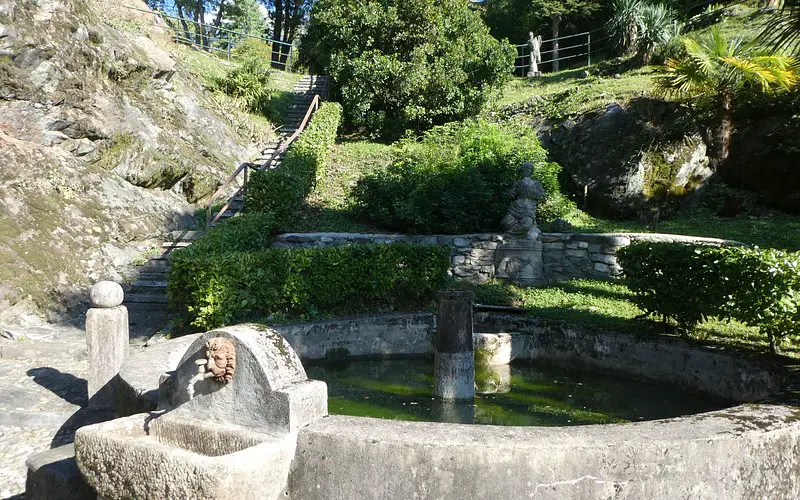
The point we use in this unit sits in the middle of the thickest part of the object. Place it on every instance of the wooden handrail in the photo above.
(210, 218)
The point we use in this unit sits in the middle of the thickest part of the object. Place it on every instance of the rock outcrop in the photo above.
(106, 140)
(630, 158)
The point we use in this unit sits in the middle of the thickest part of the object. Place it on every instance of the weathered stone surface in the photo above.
(520, 261)
(89, 125)
(107, 347)
(651, 139)
(492, 348)
(600, 267)
(177, 458)
(744, 452)
(604, 258)
(270, 386)
(106, 294)
(54, 475)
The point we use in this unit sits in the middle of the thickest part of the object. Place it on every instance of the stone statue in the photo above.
(521, 217)
(535, 45)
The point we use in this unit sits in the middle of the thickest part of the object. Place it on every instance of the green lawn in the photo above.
(326, 209)
(768, 231)
(563, 94)
(609, 305)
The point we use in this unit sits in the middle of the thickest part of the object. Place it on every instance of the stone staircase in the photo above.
(146, 287)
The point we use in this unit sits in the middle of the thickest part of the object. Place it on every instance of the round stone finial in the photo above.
(106, 294)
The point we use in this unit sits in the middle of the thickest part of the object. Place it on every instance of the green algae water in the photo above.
(518, 394)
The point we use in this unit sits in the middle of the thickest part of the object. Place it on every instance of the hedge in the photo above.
(213, 289)
(687, 283)
(456, 180)
(281, 191)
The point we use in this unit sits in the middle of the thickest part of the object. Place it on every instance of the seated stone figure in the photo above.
(520, 220)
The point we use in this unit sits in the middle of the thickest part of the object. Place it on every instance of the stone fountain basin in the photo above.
(175, 457)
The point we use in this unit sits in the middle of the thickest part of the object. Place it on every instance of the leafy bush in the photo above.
(400, 65)
(281, 191)
(641, 26)
(213, 289)
(247, 232)
(674, 280)
(249, 83)
(759, 287)
(252, 48)
(456, 180)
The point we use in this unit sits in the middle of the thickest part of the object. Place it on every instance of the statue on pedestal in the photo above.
(520, 220)
(535, 45)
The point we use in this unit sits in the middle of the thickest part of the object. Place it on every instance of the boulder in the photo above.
(627, 158)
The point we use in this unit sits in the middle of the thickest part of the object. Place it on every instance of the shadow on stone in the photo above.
(81, 418)
(65, 385)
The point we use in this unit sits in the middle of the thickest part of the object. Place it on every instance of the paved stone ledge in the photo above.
(565, 255)
(738, 453)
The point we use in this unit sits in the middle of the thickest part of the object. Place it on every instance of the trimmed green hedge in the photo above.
(687, 283)
(213, 289)
(282, 191)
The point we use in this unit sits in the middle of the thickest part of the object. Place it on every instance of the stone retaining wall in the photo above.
(565, 255)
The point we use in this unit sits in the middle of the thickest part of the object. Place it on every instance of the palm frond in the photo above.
(782, 32)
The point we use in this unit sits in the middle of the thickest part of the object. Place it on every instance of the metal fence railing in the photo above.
(552, 52)
(221, 41)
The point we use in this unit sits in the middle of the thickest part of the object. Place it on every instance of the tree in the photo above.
(515, 18)
(245, 16)
(287, 17)
(717, 70)
(406, 64)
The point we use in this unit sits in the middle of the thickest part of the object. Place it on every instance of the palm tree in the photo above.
(624, 24)
(782, 32)
(716, 70)
(657, 27)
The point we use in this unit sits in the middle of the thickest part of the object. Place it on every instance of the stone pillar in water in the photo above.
(454, 371)
(106, 342)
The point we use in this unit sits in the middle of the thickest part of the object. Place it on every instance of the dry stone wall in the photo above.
(565, 255)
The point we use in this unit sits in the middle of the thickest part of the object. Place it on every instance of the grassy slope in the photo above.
(326, 209)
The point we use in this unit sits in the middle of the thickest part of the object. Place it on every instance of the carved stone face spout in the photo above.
(220, 359)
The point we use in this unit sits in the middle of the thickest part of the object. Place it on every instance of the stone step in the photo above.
(145, 298)
(155, 284)
(154, 265)
(139, 275)
(184, 235)
(175, 244)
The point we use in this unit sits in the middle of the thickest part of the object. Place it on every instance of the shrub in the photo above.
(282, 191)
(688, 283)
(400, 65)
(246, 232)
(674, 280)
(456, 180)
(252, 48)
(249, 83)
(213, 289)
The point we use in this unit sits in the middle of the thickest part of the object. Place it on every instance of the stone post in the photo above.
(454, 370)
(106, 342)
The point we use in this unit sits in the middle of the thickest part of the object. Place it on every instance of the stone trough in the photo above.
(747, 451)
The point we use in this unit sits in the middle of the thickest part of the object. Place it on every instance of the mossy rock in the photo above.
(645, 153)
